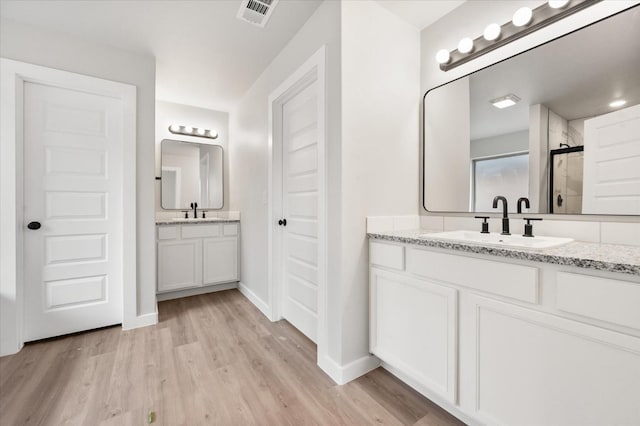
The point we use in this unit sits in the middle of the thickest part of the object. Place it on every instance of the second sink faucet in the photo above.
(194, 206)
(505, 213)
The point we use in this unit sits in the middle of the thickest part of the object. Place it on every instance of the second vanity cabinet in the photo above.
(507, 342)
(196, 255)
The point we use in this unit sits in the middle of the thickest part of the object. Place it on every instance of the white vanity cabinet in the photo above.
(507, 342)
(196, 255)
(419, 339)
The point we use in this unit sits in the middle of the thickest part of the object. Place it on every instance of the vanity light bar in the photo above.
(525, 21)
(193, 131)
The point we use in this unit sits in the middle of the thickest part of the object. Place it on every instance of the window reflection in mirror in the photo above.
(191, 172)
(502, 129)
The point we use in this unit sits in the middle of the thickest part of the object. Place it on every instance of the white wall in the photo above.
(380, 125)
(372, 138)
(33, 45)
(248, 155)
(500, 144)
(469, 20)
(168, 113)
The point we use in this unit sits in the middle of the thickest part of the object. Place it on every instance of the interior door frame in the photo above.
(13, 76)
(312, 70)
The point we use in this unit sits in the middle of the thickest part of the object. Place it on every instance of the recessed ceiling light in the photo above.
(618, 103)
(505, 101)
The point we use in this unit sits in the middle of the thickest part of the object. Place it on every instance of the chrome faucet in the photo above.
(505, 213)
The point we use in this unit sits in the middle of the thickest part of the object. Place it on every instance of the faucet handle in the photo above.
(528, 227)
(186, 214)
(485, 224)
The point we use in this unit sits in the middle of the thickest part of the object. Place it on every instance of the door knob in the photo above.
(560, 200)
(34, 225)
(282, 222)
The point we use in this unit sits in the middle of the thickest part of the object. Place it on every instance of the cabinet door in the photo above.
(220, 260)
(179, 264)
(531, 368)
(413, 329)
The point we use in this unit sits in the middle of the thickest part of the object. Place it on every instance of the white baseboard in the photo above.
(144, 320)
(9, 347)
(253, 298)
(433, 397)
(161, 297)
(351, 371)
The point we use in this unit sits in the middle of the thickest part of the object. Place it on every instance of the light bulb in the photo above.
(492, 32)
(522, 17)
(557, 4)
(174, 128)
(442, 57)
(465, 45)
(200, 131)
(618, 103)
(188, 129)
(213, 133)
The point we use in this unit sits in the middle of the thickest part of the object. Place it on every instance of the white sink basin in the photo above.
(497, 240)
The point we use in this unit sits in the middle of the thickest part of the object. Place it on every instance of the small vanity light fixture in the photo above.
(522, 17)
(492, 32)
(193, 131)
(442, 57)
(617, 103)
(525, 21)
(505, 101)
(465, 45)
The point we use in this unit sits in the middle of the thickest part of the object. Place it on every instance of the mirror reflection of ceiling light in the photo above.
(558, 4)
(442, 57)
(525, 21)
(522, 17)
(193, 131)
(492, 32)
(505, 101)
(465, 45)
(617, 103)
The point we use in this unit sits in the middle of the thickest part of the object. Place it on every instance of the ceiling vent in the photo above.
(256, 12)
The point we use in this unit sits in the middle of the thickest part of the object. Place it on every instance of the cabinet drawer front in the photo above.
(504, 279)
(198, 231)
(167, 232)
(387, 255)
(605, 299)
(230, 229)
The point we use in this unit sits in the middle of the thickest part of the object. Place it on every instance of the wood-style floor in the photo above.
(212, 359)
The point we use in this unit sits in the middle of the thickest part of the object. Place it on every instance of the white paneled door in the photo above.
(73, 205)
(612, 163)
(300, 210)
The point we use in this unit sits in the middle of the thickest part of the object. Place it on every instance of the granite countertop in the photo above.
(182, 221)
(606, 257)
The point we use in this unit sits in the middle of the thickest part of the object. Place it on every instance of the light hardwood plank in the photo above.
(212, 359)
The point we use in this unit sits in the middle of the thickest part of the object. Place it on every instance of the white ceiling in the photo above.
(420, 13)
(205, 56)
